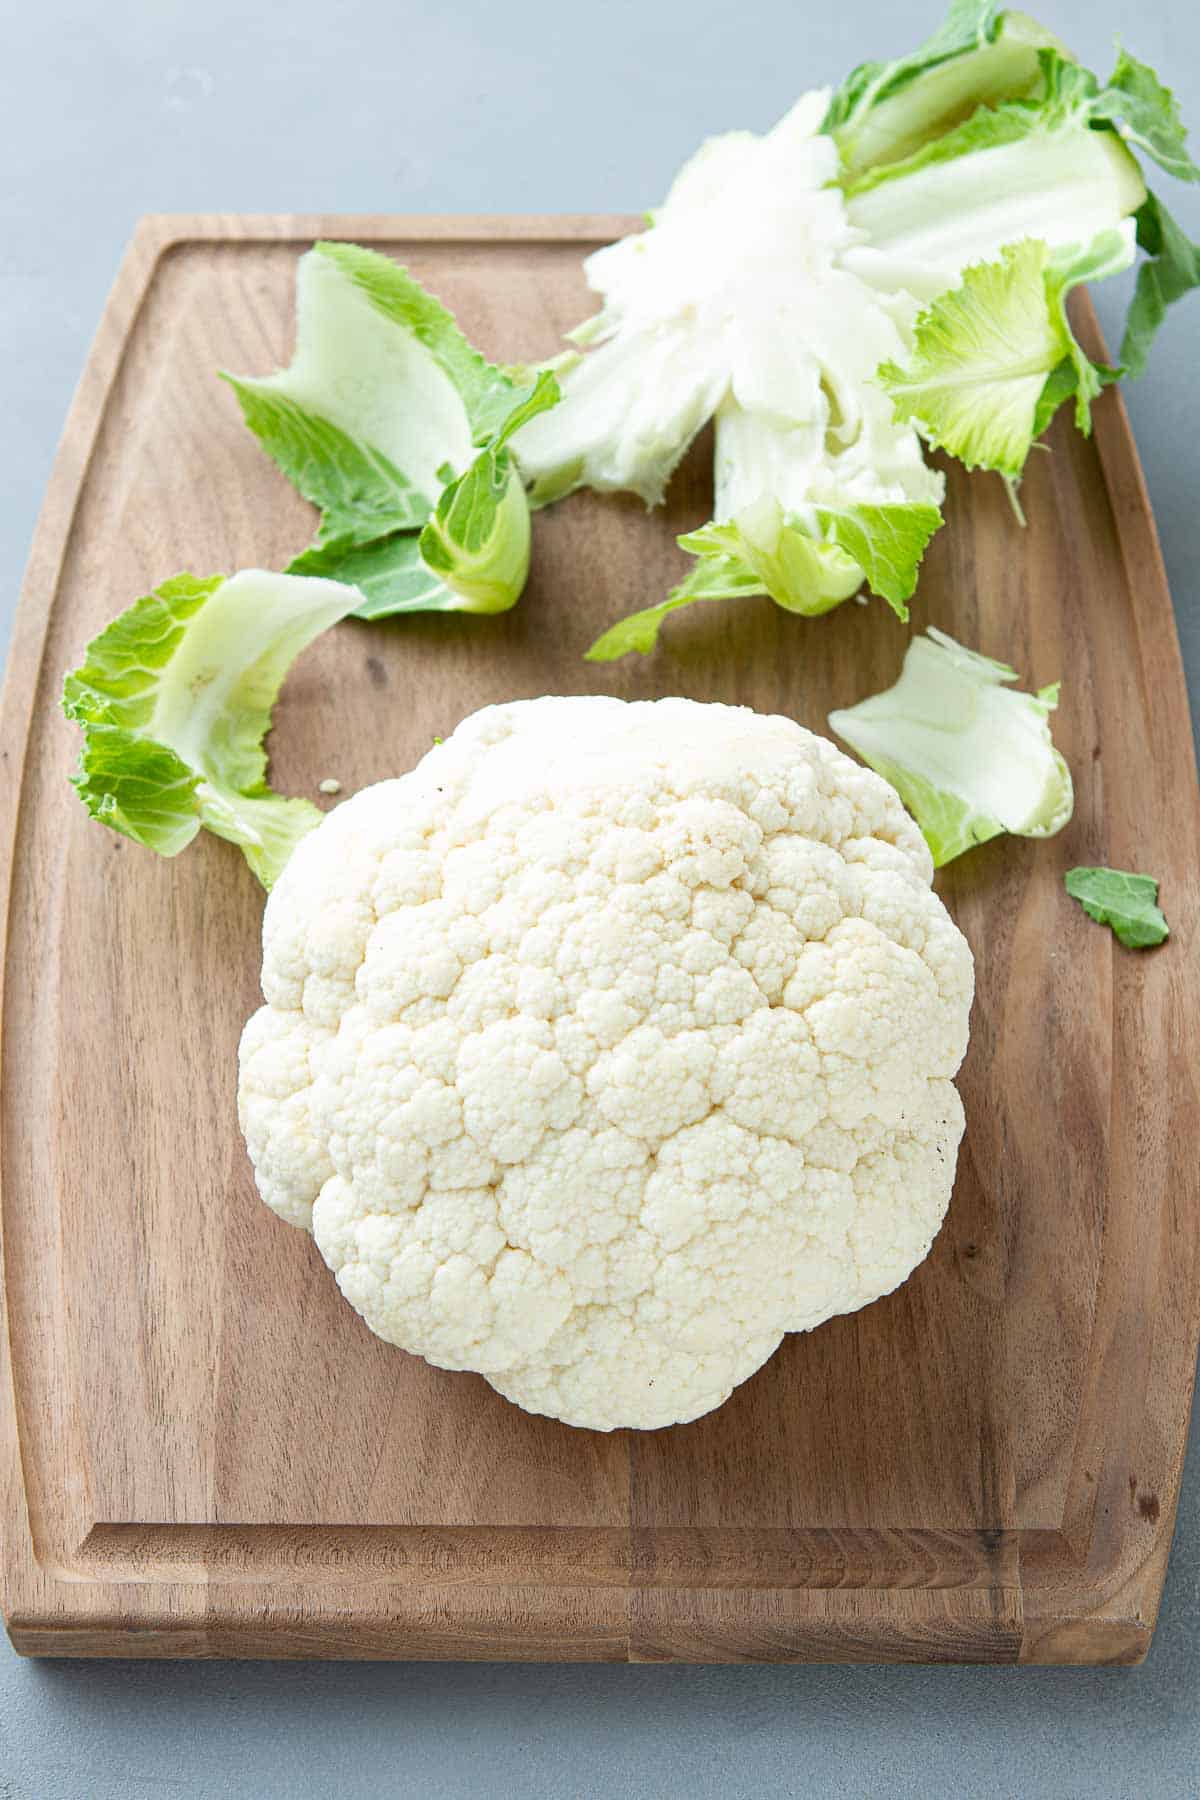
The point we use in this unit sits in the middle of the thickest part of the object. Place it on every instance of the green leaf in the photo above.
(715, 577)
(1060, 101)
(1172, 270)
(1125, 901)
(1035, 167)
(175, 699)
(765, 551)
(810, 572)
(486, 391)
(978, 56)
(987, 128)
(981, 357)
(541, 395)
(389, 573)
(360, 493)
(1061, 383)
(1108, 254)
(1060, 96)
(969, 757)
(993, 358)
(968, 25)
(140, 789)
(390, 422)
(1146, 113)
(478, 539)
(365, 372)
(887, 541)
(1052, 163)
(471, 556)
(778, 553)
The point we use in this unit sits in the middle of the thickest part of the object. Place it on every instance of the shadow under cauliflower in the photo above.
(608, 1045)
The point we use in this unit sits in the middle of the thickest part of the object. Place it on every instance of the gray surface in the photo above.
(169, 105)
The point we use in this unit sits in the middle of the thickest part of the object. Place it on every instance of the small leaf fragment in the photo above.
(1119, 898)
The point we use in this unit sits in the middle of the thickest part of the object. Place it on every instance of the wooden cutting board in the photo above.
(203, 1451)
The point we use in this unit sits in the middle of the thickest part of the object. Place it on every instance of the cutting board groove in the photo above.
(202, 1449)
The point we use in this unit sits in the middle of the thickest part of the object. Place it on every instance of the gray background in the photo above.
(175, 105)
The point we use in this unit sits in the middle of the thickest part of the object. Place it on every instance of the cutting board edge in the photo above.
(582, 1624)
(20, 1574)
(1021, 1597)
(44, 1611)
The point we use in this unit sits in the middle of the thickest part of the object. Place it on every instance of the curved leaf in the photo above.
(175, 700)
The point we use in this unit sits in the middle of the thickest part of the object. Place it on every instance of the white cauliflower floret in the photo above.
(607, 1046)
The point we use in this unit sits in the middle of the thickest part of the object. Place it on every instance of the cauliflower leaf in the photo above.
(1145, 112)
(397, 430)
(764, 551)
(978, 55)
(174, 699)
(994, 358)
(969, 757)
(1125, 901)
(888, 264)
(1171, 270)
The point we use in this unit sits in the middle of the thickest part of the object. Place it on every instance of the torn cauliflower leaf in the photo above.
(174, 699)
(802, 288)
(397, 430)
(734, 306)
(970, 755)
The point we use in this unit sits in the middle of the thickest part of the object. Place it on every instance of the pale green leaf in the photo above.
(801, 572)
(981, 357)
(987, 128)
(978, 56)
(486, 391)
(1036, 166)
(390, 422)
(993, 358)
(1108, 254)
(764, 551)
(364, 371)
(478, 540)
(175, 700)
(969, 756)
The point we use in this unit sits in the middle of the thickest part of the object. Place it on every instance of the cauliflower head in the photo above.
(606, 1046)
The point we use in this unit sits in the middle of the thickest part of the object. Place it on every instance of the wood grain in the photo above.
(202, 1449)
